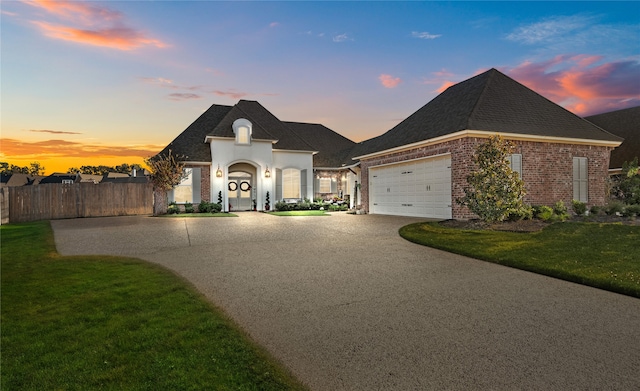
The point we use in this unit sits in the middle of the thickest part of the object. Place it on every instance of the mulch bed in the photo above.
(533, 225)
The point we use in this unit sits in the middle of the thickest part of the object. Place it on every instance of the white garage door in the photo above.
(420, 188)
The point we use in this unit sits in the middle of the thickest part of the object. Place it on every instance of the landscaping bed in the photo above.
(533, 225)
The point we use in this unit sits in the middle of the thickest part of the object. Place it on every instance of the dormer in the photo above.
(242, 130)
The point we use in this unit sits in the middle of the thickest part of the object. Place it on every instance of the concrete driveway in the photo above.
(347, 304)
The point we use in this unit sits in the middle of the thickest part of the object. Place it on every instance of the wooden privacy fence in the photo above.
(64, 201)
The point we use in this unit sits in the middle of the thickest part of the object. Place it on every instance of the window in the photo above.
(184, 191)
(67, 181)
(242, 135)
(242, 130)
(580, 179)
(515, 162)
(290, 183)
(325, 185)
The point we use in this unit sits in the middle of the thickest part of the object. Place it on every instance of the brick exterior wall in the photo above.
(340, 184)
(547, 170)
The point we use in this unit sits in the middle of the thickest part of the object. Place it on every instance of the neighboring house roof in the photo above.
(126, 179)
(333, 148)
(626, 124)
(16, 179)
(490, 101)
(89, 178)
(265, 126)
(58, 178)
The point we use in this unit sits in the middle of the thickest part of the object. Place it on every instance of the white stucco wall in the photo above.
(297, 160)
(259, 154)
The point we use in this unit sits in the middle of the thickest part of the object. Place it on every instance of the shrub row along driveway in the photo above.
(347, 304)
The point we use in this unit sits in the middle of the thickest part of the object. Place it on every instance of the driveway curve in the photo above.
(347, 304)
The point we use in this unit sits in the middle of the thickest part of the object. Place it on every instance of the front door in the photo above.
(240, 191)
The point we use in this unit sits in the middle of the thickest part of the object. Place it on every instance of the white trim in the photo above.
(294, 151)
(212, 138)
(411, 160)
(196, 163)
(488, 134)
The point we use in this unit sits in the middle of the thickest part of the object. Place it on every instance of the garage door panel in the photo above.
(418, 188)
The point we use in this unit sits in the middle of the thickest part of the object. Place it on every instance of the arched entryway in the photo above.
(241, 186)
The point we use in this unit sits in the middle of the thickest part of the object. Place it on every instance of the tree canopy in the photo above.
(34, 168)
(495, 191)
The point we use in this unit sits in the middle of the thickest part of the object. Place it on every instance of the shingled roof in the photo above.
(333, 148)
(265, 126)
(490, 101)
(218, 120)
(190, 143)
(626, 124)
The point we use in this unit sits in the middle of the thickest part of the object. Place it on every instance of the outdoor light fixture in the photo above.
(218, 172)
(267, 173)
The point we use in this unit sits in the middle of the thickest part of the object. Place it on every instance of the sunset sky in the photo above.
(110, 82)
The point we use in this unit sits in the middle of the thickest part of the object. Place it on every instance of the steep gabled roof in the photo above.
(332, 147)
(490, 101)
(624, 123)
(265, 126)
(190, 143)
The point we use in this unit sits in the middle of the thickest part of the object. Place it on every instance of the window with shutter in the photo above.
(580, 179)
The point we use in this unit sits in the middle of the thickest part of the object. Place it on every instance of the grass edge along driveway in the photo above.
(605, 256)
(103, 322)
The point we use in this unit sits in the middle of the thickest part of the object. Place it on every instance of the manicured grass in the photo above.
(190, 215)
(97, 322)
(605, 256)
(301, 213)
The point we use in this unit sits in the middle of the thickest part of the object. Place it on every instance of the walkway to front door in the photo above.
(240, 191)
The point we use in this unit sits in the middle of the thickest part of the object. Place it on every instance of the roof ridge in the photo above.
(482, 94)
(254, 120)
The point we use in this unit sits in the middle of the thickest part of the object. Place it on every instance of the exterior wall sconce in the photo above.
(267, 173)
(218, 172)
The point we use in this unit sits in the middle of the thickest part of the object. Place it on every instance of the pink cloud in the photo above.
(581, 83)
(183, 96)
(91, 24)
(446, 84)
(231, 94)
(116, 38)
(389, 81)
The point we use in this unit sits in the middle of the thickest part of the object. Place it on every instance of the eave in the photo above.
(487, 134)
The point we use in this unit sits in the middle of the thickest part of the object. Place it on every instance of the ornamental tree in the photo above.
(167, 171)
(495, 191)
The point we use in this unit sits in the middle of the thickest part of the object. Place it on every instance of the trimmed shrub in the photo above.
(579, 208)
(209, 207)
(543, 212)
(188, 208)
(524, 213)
(595, 210)
(173, 208)
(614, 207)
(631, 210)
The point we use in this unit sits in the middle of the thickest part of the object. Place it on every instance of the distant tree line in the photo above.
(35, 168)
(101, 170)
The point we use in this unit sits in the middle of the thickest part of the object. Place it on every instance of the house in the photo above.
(18, 179)
(417, 168)
(241, 152)
(624, 123)
(58, 177)
(137, 176)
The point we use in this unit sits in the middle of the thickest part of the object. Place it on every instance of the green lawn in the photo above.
(301, 213)
(112, 323)
(605, 256)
